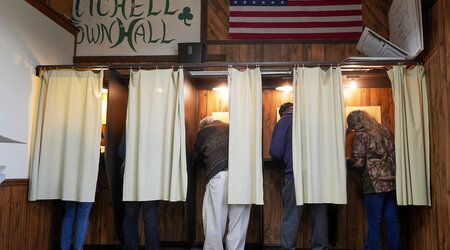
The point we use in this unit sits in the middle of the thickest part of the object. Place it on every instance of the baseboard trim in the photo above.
(14, 182)
(178, 245)
(182, 246)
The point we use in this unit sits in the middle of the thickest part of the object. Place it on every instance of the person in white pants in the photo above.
(211, 149)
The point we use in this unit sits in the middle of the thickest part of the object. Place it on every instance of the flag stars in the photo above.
(245, 2)
(254, 2)
(263, 2)
(273, 2)
(235, 2)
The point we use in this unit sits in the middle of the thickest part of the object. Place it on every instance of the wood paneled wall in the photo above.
(23, 224)
(429, 227)
(284, 52)
(375, 97)
(374, 14)
(101, 218)
(210, 101)
(351, 221)
(422, 227)
(19, 217)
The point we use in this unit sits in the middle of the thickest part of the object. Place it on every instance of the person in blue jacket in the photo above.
(281, 149)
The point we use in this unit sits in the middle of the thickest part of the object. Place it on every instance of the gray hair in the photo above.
(206, 121)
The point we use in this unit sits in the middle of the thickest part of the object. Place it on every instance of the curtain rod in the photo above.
(359, 64)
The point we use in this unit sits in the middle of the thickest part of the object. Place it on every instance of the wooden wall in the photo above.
(351, 218)
(374, 14)
(23, 224)
(374, 17)
(422, 227)
(429, 227)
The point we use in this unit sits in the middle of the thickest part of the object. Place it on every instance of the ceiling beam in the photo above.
(53, 15)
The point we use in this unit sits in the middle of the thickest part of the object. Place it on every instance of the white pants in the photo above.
(215, 213)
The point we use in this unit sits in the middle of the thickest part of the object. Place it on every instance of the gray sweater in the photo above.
(211, 148)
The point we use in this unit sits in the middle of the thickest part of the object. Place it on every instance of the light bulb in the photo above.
(221, 89)
(284, 88)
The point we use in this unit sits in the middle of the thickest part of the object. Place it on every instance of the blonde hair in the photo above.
(369, 123)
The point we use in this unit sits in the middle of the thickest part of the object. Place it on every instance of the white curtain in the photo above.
(245, 182)
(155, 161)
(412, 147)
(66, 136)
(318, 136)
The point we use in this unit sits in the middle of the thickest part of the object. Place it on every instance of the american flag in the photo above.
(295, 19)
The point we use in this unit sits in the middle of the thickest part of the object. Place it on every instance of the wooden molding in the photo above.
(204, 21)
(137, 59)
(15, 182)
(55, 16)
(123, 59)
(330, 41)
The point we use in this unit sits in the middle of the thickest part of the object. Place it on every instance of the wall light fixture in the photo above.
(285, 88)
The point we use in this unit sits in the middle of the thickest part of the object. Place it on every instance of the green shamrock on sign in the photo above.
(186, 15)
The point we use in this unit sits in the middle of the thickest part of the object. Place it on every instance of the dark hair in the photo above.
(284, 108)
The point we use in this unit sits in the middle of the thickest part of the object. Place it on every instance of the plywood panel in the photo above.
(201, 187)
(190, 113)
(108, 236)
(217, 19)
(253, 232)
(213, 102)
(172, 221)
(296, 52)
(428, 227)
(375, 16)
(246, 52)
(202, 104)
(307, 52)
(95, 226)
(24, 225)
(334, 52)
(272, 53)
(317, 52)
(273, 205)
(213, 49)
(285, 52)
(231, 51)
(269, 120)
(259, 53)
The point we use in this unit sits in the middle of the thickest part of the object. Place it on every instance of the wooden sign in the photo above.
(135, 27)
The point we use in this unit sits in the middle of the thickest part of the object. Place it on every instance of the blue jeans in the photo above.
(291, 219)
(151, 224)
(379, 206)
(80, 212)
